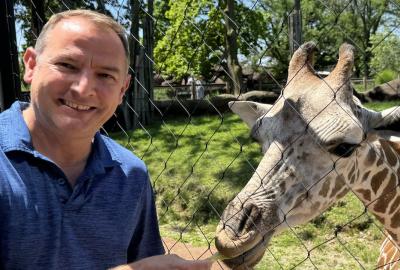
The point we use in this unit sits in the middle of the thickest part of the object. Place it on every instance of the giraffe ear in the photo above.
(249, 111)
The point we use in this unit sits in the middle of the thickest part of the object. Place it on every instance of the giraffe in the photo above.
(318, 143)
(389, 258)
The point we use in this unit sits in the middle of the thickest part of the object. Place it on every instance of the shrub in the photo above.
(385, 76)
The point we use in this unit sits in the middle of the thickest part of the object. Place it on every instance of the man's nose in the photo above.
(84, 83)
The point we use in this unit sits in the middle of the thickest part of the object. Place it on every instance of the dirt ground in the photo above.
(189, 252)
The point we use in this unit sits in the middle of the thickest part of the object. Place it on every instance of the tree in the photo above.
(385, 52)
(192, 36)
(192, 42)
(231, 49)
(329, 23)
(370, 14)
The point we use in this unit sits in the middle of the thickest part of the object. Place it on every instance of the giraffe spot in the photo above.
(370, 158)
(379, 206)
(395, 220)
(304, 156)
(395, 146)
(377, 179)
(300, 199)
(339, 183)
(365, 194)
(282, 186)
(383, 202)
(352, 179)
(394, 205)
(381, 219)
(366, 175)
(352, 170)
(315, 207)
(390, 156)
(325, 188)
(342, 193)
(380, 158)
(393, 235)
(388, 194)
(391, 187)
(289, 201)
(351, 174)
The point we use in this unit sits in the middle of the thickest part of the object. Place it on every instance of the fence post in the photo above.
(193, 89)
(10, 85)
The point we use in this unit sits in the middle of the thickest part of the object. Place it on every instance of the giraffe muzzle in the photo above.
(242, 236)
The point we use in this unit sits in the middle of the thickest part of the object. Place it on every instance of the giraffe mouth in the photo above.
(245, 254)
(243, 240)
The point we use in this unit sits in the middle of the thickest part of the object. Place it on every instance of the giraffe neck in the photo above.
(379, 178)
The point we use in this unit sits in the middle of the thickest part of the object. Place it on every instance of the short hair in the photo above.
(97, 18)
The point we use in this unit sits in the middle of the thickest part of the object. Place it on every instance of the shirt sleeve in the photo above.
(146, 240)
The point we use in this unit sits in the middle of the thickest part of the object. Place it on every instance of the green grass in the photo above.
(378, 106)
(359, 86)
(198, 165)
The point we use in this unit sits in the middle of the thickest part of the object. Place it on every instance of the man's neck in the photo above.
(70, 154)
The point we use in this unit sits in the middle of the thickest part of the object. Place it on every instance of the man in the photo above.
(71, 198)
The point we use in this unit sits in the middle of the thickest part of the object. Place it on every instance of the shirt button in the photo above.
(61, 181)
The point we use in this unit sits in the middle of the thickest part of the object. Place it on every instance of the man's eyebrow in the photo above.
(65, 57)
(110, 68)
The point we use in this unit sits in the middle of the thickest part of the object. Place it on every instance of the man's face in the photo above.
(78, 80)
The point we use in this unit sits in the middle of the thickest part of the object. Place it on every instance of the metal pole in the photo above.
(295, 34)
(10, 87)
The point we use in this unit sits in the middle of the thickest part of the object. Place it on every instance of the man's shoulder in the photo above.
(122, 154)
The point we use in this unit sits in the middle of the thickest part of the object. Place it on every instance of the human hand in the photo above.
(166, 262)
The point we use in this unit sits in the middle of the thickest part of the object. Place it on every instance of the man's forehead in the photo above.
(78, 37)
(71, 24)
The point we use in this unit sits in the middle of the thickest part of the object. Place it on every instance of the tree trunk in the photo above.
(129, 99)
(145, 91)
(231, 48)
(141, 99)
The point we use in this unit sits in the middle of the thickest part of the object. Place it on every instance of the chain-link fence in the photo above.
(190, 58)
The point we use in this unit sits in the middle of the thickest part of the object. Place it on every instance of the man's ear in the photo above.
(30, 62)
(125, 87)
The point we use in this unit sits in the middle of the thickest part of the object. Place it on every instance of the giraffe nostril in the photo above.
(250, 216)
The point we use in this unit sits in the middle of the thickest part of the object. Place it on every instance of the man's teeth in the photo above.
(77, 106)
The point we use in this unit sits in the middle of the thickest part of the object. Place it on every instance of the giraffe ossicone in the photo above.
(318, 143)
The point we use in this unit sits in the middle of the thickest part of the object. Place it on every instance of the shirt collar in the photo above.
(15, 136)
(101, 151)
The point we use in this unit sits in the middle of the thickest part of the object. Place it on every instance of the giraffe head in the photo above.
(315, 140)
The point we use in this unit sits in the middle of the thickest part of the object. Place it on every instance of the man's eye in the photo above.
(66, 65)
(106, 76)
(344, 149)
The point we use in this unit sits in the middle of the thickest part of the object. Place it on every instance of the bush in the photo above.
(385, 76)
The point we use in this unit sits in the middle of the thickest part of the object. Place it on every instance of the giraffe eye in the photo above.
(344, 149)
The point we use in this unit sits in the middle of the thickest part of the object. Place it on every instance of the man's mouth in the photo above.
(75, 106)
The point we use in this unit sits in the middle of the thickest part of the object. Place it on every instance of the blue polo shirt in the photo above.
(108, 218)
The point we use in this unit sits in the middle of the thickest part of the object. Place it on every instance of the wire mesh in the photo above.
(199, 154)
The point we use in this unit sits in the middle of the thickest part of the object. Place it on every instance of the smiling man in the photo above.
(71, 198)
